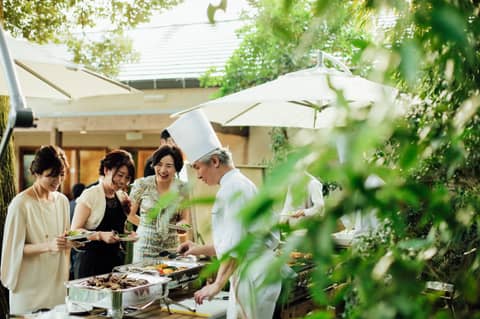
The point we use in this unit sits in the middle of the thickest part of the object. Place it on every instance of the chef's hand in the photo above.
(189, 248)
(207, 292)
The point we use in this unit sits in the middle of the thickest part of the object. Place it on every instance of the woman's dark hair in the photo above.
(49, 157)
(116, 159)
(165, 135)
(173, 151)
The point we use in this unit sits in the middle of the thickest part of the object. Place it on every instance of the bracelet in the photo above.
(99, 238)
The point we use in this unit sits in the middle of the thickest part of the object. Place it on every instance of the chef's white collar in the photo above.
(227, 175)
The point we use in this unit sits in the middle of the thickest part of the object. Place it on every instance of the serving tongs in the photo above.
(141, 270)
(169, 302)
(176, 256)
(140, 307)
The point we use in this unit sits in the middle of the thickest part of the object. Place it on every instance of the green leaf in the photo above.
(163, 202)
(415, 244)
(448, 23)
(410, 61)
(321, 314)
(409, 156)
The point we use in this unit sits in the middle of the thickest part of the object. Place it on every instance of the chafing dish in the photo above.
(190, 270)
(116, 300)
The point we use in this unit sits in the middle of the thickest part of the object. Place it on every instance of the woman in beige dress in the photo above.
(35, 252)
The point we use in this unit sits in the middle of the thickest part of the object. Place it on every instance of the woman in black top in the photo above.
(99, 209)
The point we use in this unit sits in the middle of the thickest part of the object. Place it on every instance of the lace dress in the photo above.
(154, 234)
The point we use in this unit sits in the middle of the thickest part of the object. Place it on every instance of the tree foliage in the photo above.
(280, 38)
(428, 159)
(74, 22)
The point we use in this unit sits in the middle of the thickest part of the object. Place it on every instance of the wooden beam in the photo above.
(55, 137)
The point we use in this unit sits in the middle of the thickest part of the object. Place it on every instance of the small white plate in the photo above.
(128, 238)
(81, 236)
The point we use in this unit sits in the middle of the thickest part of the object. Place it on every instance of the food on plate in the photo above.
(78, 235)
(127, 237)
(296, 255)
(300, 255)
(114, 282)
(165, 269)
(74, 232)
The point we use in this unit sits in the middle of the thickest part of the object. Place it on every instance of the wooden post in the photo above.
(55, 137)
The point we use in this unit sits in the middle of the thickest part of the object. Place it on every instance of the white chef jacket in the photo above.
(314, 203)
(254, 302)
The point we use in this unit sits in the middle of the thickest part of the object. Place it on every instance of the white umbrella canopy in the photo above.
(302, 99)
(52, 85)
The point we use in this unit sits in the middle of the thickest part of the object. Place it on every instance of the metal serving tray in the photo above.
(178, 278)
(116, 300)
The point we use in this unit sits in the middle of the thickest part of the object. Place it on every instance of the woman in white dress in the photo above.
(35, 252)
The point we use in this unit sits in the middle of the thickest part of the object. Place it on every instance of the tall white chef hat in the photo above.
(194, 134)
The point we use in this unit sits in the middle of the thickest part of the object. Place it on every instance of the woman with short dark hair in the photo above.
(100, 209)
(34, 238)
(156, 234)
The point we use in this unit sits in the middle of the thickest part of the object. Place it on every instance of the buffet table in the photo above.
(153, 312)
(215, 309)
(157, 288)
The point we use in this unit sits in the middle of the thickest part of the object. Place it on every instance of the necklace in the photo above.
(45, 210)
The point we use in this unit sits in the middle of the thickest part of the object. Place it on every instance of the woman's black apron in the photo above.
(98, 257)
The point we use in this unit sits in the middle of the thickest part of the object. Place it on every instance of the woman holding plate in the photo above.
(102, 210)
(34, 238)
(159, 233)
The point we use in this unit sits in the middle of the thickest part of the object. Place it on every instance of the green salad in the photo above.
(75, 232)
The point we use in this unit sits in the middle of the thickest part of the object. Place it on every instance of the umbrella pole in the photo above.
(19, 115)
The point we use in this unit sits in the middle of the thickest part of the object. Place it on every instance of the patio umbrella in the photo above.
(54, 86)
(302, 99)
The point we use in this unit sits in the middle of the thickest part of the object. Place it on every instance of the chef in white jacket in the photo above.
(313, 203)
(248, 297)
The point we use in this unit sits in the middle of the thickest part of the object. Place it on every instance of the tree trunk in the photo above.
(7, 188)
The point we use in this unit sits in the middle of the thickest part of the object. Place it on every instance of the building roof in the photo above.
(179, 45)
(177, 55)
